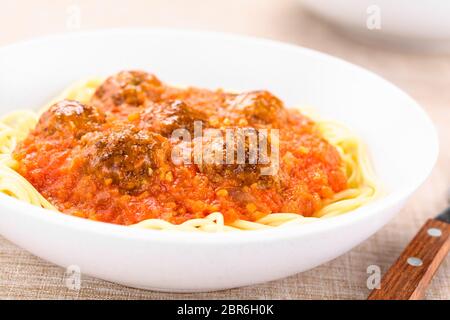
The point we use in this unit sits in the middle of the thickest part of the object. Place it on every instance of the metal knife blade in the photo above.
(445, 215)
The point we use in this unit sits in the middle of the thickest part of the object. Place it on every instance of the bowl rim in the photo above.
(118, 231)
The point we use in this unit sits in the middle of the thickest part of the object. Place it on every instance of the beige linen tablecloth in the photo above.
(425, 77)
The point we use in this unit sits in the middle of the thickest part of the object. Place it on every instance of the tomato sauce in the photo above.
(110, 160)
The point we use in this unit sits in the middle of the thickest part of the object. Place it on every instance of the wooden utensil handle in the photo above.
(409, 277)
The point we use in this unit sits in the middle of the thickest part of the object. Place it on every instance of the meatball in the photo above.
(235, 157)
(127, 88)
(127, 157)
(69, 117)
(165, 117)
(244, 174)
(259, 108)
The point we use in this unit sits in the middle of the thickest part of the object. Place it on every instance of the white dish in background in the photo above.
(400, 137)
(415, 24)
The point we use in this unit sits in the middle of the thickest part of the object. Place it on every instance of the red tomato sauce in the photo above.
(110, 160)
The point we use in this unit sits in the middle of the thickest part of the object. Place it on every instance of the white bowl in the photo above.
(416, 24)
(400, 136)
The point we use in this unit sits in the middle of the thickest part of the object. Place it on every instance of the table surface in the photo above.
(425, 76)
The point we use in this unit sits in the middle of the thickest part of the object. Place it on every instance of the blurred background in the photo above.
(405, 41)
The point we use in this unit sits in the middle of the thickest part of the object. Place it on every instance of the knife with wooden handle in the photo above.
(410, 275)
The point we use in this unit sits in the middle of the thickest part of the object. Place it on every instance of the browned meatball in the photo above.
(127, 88)
(71, 118)
(165, 117)
(243, 161)
(126, 158)
(259, 108)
